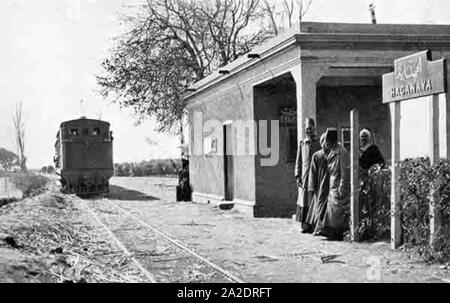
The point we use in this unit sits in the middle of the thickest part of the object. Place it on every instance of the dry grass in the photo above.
(70, 247)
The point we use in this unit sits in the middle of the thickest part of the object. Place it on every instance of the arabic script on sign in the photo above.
(408, 69)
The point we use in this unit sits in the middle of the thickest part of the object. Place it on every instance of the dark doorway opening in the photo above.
(228, 162)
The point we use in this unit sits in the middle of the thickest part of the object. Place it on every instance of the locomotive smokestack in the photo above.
(372, 13)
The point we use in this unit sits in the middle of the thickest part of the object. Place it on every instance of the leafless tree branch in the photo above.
(19, 128)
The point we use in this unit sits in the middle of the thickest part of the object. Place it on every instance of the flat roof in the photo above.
(311, 34)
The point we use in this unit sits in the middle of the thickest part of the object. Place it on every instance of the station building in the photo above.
(317, 70)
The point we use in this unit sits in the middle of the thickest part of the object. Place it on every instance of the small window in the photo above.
(96, 132)
(85, 131)
(74, 132)
(346, 137)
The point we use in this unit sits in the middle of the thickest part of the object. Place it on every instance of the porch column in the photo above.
(306, 76)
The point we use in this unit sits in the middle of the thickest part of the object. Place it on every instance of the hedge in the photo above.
(417, 179)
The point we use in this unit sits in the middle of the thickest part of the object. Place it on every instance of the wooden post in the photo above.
(435, 218)
(434, 128)
(354, 174)
(396, 232)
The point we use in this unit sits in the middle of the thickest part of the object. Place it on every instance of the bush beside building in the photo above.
(417, 179)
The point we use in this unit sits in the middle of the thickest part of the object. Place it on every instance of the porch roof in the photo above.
(317, 35)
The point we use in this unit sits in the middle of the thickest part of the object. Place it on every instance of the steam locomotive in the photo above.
(84, 156)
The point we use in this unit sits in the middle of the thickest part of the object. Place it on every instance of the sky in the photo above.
(51, 50)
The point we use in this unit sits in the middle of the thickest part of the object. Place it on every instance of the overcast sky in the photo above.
(50, 51)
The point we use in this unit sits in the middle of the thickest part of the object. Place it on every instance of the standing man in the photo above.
(306, 148)
(319, 185)
(338, 204)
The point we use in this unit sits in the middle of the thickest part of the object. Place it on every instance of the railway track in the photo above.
(150, 277)
(159, 256)
(180, 260)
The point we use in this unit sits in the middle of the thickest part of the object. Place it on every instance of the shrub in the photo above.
(375, 204)
(165, 167)
(30, 184)
(441, 185)
(48, 170)
(417, 179)
(6, 201)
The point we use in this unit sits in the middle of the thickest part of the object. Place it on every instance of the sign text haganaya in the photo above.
(415, 76)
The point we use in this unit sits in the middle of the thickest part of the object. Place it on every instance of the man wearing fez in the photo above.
(306, 148)
(338, 205)
(319, 186)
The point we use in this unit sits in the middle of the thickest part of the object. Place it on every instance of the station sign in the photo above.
(415, 76)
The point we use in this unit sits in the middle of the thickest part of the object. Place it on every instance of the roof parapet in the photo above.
(320, 33)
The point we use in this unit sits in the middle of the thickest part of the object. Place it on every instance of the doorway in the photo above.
(228, 161)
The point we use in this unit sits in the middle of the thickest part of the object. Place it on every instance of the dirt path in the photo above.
(265, 250)
(165, 259)
(57, 238)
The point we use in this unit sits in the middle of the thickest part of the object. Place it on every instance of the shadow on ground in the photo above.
(125, 194)
(121, 194)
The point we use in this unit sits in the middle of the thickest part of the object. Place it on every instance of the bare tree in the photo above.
(171, 44)
(270, 10)
(284, 16)
(303, 8)
(19, 128)
(288, 6)
(174, 43)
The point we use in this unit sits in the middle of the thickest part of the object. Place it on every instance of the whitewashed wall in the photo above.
(415, 129)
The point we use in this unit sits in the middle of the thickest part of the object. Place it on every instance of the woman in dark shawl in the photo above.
(370, 156)
(370, 153)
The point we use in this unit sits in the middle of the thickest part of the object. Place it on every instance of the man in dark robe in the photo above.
(306, 148)
(184, 187)
(319, 187)
(338, 205)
